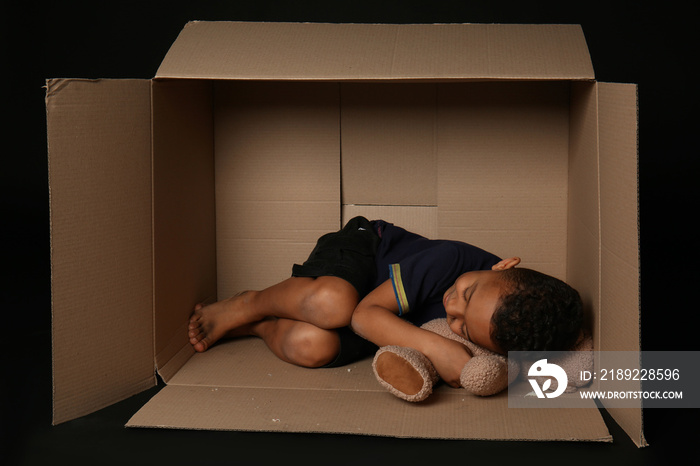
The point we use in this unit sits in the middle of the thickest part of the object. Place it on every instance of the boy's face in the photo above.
(471, 302)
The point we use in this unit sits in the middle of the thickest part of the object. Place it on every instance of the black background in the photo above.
(652, 44)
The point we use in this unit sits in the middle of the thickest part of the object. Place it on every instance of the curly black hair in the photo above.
(539, 313)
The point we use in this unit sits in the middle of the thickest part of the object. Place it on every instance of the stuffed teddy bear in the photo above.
(409, 375)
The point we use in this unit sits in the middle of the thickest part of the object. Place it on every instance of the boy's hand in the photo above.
(449, 358)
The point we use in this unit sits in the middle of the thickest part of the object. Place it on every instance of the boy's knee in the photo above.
(332, 302)
(313, 348)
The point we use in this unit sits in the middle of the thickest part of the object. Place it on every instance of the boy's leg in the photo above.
(325, 302)
(297, 342)
(292, 341)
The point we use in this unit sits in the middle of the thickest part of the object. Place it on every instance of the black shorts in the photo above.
(347, 254)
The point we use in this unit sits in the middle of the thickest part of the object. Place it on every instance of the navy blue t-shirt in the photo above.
(421, 270)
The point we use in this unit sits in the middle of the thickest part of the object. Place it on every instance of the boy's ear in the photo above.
(506, 263)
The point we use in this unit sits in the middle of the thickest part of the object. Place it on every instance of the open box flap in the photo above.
(618, 327)
(100, 200)
(319, 51)
(604, 217)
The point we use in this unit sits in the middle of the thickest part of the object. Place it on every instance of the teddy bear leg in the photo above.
(405, 372)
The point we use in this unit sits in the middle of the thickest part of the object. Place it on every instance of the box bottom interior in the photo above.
(262, 393)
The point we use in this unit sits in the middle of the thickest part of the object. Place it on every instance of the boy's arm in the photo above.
(376, 319)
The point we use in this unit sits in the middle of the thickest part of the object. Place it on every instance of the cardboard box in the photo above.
(254, 139)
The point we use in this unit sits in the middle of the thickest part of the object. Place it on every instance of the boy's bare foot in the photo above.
(226, 318)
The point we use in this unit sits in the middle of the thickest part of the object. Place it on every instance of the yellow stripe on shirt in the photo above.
(399, 292)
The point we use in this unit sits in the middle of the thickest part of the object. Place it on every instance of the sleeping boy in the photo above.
(373, 284)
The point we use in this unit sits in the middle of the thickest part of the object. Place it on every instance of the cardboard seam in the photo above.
(289, 389)
(599, 283)
(392, 65)
(427, 206)
(600, 220)
(212, 107)
(153, 245)
(47, 97)
(340, 155)
(171, 367)
(173, 348)
(435, 145)
(642, 440)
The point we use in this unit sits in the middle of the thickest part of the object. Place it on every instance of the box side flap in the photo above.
(318, 51)
(619, 220)
(266, 218)
(619, 217)
(101, 280)
(265, 394)
(184, 222)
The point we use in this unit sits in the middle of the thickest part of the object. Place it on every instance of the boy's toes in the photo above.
(201, 346)
(200, 341)
(195, 335)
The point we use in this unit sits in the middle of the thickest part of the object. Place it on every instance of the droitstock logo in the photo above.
(543, 370)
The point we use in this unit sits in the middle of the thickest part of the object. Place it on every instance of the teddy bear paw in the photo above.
(405, 372)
